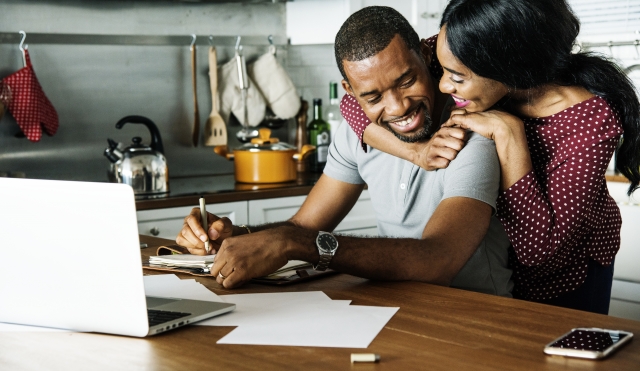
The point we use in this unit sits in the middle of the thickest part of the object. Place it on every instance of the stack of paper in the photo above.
(170, 286)
(205, 262)
(183, 260)
(283, 318)
(300, 319)
(288, 270)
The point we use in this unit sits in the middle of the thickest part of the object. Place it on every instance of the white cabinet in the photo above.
(167, 223)
(318, 21)
(360, 221)
(273, 209)
(625, 292)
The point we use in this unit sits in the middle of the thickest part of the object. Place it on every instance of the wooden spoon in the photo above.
(196, 120)
(215, 129)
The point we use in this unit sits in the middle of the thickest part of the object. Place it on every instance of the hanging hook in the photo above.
(610, 44)
(238, 46)
(636, 43)
(211, 40)
(272, 48)
(193, 41)
(23, 47)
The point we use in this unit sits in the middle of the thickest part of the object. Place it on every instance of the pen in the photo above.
(203, 221)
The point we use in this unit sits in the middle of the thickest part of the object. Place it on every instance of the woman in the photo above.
(556, 123)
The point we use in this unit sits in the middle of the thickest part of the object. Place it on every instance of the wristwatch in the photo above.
(327, 246)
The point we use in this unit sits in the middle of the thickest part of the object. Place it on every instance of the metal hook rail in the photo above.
(609, 43)
(159, 40)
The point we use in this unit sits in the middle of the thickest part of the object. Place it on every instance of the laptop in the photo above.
(70, 259)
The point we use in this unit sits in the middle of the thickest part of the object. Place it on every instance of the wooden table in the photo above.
(436, 328)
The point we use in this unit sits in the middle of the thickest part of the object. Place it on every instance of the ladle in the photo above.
(245, 134)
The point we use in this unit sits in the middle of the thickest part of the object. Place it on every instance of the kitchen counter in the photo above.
(224, 188)
(612, 177)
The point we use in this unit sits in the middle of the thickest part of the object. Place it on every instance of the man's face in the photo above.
(394, 89)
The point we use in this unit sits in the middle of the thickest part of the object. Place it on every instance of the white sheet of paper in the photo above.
(252, 308)
(10, 327)
(341, 326)
(170, 286)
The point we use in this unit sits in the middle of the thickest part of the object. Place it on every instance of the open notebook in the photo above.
(202, 264)
(176, 259)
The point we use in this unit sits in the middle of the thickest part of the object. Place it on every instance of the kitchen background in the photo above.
(93, 86)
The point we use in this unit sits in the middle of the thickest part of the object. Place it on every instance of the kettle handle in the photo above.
(156, 140)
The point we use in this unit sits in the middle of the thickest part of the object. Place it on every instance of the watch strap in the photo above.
(323, 263)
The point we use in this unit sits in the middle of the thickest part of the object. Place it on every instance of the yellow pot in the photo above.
(265, 159)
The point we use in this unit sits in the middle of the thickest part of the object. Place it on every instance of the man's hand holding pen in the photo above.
(194, 235)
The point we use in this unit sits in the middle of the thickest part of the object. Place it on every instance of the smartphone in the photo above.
(591, 343)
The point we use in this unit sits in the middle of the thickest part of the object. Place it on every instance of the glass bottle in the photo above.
(319, 136)
(334, 116)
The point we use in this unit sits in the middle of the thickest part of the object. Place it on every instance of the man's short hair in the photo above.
(369, 31)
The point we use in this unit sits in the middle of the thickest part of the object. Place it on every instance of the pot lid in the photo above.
(265, 142)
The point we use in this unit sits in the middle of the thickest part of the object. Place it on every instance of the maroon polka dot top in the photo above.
(559, 215)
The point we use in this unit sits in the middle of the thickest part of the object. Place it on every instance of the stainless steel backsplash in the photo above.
(93, 86)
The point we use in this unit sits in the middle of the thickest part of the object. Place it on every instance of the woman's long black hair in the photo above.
(528, 43)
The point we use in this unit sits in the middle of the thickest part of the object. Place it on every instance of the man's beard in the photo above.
(423, 133)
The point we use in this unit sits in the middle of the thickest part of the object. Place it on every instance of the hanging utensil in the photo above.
(215, 129)
(196, 119)
(245, 134)
(28, 104)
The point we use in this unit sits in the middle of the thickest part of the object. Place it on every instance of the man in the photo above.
(439, 223)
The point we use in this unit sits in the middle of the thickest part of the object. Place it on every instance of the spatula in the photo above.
(215, 129)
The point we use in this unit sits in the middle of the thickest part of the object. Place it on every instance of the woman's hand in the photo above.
(193, 234)
(440, 150)
(495, 125)
(507, 131)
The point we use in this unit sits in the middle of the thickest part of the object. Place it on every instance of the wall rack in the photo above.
(98, 39)
(609, 43)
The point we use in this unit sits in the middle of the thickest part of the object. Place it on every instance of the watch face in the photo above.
(327, 242)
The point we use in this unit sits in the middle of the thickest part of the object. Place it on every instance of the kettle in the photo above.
(142, 167)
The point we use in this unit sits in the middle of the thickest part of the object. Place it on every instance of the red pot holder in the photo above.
(29, 106)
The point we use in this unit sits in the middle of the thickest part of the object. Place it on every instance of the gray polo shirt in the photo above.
(404, 197)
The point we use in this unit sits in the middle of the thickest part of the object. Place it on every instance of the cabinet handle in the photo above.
(154, 231)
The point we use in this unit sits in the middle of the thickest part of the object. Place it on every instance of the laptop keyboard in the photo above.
(157, 317)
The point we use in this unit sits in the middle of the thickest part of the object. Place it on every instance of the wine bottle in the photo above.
(319, 136)
(334, 116)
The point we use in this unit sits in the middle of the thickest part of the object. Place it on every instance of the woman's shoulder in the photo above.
(591, 111)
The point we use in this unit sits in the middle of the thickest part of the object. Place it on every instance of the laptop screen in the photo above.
(70, 256)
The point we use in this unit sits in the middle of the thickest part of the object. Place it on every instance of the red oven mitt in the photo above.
(28, 104)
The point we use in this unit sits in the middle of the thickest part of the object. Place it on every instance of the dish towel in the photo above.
(231, 96)
(275, 85)
(29, 106)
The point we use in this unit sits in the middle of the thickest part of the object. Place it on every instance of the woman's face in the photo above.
(470, 91)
